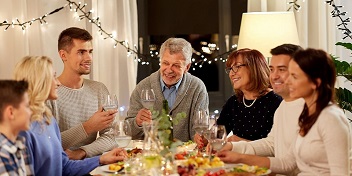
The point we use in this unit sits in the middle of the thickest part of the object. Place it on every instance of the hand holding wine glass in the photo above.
(217, 137)
(201, 125)
(148, 98)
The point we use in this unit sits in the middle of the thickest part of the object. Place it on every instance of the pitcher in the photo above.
(151, 147)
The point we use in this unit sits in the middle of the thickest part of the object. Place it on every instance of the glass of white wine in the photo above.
(148, 98)
(110, 103)
(201, 121)
(201, 124)
(217, 137)
(122, 133)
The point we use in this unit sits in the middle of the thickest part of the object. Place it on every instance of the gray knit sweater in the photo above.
(75, 106)
(191, 96)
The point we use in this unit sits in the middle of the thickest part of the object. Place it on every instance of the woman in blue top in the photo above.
(43, 140)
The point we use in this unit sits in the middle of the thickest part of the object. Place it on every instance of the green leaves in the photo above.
(178, 117)
(165, 127)
(346, 45)
(344, 98)
(343, 68)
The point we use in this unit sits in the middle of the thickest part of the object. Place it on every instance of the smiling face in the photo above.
(279, 73)
(22, 114)
(79, 59)
(299, 84)
(172, 67)
(240, 80)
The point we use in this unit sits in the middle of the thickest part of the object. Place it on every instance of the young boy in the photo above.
(14, 117)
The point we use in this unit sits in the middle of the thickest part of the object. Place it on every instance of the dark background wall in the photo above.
(159, 20)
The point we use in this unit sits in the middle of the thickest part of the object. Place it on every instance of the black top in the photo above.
(253, 122)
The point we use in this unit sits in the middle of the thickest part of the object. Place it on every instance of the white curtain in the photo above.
(113, 66)
(110, 65)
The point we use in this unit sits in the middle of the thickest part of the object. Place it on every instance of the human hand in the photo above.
(227, 147)
(99, 121)
(116, 154)
(76, 154)
(235, 138)
(229, 156)
(144, 115)
(200, 141)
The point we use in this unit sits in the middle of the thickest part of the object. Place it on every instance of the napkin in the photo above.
(230, 134)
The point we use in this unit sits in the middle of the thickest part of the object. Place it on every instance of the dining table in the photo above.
(104, 169)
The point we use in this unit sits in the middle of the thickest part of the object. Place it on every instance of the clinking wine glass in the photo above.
(201, 123)
(110, 103)
(217, 137)
(148, 98)
(122, 133)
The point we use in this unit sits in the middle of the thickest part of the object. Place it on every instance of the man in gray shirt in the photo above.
(183, 91)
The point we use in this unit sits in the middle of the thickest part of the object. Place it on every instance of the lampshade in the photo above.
(266, 30)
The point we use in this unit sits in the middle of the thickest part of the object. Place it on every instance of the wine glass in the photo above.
(201, 123)
(217, 137)
(148, 98)
(122, 133)
(110, 103)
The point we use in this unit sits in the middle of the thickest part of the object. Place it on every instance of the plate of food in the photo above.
(113, 168)
(133, 152)
(186, 147)
(254, 170)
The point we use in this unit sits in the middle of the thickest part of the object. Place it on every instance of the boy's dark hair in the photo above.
(65, 41)
(287, 49)
(11, 93)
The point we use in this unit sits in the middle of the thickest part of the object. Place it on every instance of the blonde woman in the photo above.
(43, 139)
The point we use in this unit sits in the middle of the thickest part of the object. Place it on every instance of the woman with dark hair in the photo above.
(249, 113)
(323, 142)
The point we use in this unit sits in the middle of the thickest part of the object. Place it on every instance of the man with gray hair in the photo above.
(172, 82)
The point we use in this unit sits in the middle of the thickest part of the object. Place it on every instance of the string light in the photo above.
(294, 5)
(140, 58)
(26, 24)
(344, 21)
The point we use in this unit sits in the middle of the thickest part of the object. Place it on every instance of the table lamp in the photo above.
(266, 30)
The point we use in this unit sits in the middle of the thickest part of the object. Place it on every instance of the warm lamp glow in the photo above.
(266, 30)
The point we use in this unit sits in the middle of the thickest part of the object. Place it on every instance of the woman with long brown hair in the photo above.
(323, 142)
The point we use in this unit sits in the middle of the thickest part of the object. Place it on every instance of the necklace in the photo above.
(244, 103)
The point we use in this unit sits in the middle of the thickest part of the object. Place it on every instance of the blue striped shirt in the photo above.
(14, 158)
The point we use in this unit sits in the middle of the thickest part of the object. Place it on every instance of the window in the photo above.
(204, 23)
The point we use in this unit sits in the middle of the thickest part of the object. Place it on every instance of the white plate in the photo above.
(105, 168)
(229, 167)
(267, 172)
(226, 167)
(186, 148)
